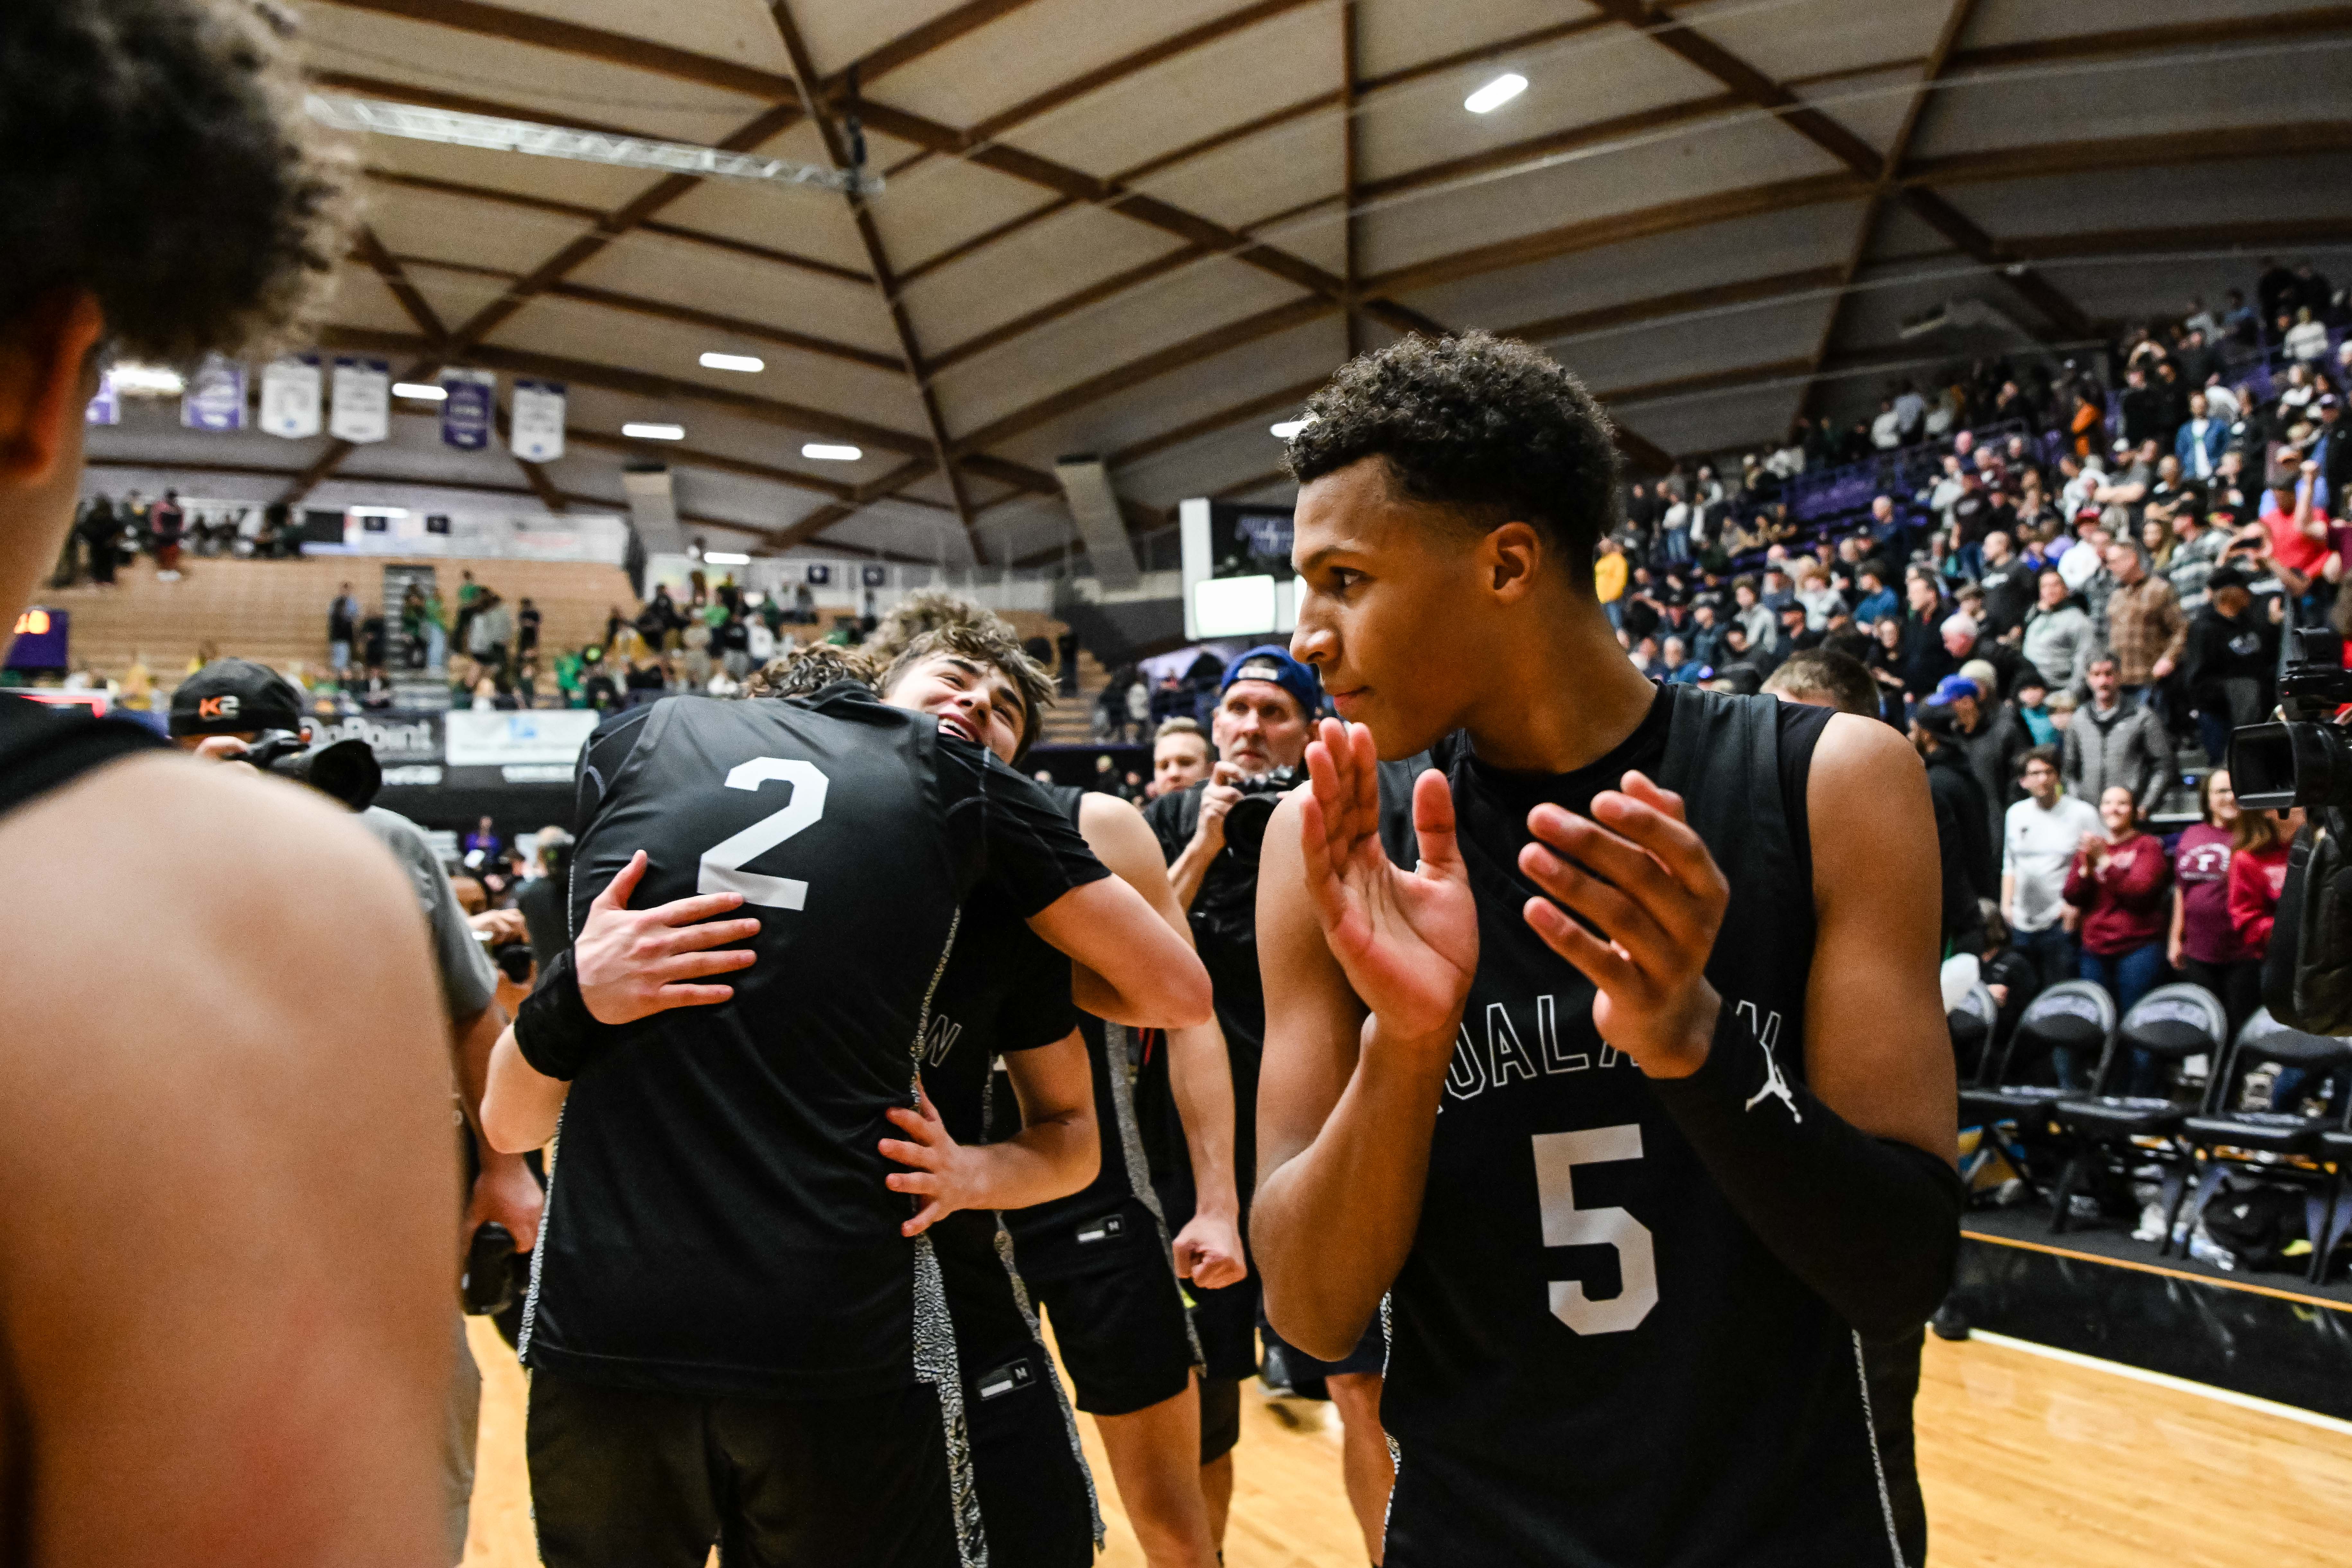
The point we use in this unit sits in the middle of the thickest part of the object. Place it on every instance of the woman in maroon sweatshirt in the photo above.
(2257, 873)
(2122, 881)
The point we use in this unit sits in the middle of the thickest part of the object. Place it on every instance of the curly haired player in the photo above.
(1627, 1094)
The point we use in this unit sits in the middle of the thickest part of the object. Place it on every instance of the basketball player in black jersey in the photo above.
(1629, 1093)
(733, 1334)
(1098, 1260)
(227, 1237)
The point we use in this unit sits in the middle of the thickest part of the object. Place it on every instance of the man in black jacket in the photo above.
(2232, 662)
(1961, 840)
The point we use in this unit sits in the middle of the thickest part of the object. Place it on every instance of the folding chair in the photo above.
(1972, 1025)
(2117, 1133)
(2077, 1015)
(2265, 1143)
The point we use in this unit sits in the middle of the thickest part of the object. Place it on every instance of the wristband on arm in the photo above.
(1871, 1225)
(554, 1028)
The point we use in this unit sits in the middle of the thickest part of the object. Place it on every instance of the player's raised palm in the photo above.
(1408, 940)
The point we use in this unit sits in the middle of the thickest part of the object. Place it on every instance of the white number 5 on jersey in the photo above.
(1564, 1224)
(722, 863)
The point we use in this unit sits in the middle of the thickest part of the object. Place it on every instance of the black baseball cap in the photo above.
(235, 696)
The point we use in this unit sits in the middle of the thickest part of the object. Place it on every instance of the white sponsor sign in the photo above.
(362, 410)
(552, 738)
(536, 426)
(290, 391)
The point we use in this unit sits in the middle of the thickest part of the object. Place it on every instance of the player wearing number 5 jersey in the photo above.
(731, 1335)
(1628, 1091)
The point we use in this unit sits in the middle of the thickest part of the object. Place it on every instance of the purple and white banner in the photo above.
(290, 397)
(214, 397)
(465, 413)
(535, 426)
(106, 408)
(362, 401)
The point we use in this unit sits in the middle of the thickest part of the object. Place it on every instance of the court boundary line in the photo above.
(2165, 1379)
(2271, 1291)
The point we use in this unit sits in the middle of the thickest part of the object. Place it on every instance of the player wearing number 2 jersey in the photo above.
(1629, 1093)
(733, 1336)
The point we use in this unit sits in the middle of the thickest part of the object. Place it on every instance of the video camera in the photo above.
(1245, 823)
(346, 770)
(2305, 759)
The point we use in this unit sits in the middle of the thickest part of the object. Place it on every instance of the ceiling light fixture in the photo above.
(822, 453)
(1289, 427)
(653, 432)
(379, 510)
(146, 380)
(457, 129)
(724, 558)
(1496, 93)
(748, 364)
(421, 390)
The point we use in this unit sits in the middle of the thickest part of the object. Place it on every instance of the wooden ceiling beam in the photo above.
(623, 49)
(2264, 26)
(2225, 144)
(1955, 22)
(842, 156)
(591, 214)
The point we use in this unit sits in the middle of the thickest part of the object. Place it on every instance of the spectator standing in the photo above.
(2201, 442)
(2204, 945)
(2058, 636)
(2147, 633)
(2031, 706)
(469, 594)
(1962, 843)
(2307, 339)
(166, 523)
(2008, 584)
(2122, 881)
(484, 840)
(492, 632)
(1993, 741)
(1926, 659)
(526, 623)
(1877, 602)
(2232, 661)
(2259, 842)
(2039, 836)
(2197, 547)
(2114, 743)
(343, 629)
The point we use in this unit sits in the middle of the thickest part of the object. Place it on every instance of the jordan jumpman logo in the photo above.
(1776, 1087)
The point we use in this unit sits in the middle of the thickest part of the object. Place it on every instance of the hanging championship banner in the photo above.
(106, 408)
(466, 411)
(290, 396)
(535, 428)
(362, 401)
(215, 398)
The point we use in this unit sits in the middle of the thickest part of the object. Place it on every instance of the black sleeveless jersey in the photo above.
(1593, 1361)
(1118, 1209)
(43, 750)
(718, 1221)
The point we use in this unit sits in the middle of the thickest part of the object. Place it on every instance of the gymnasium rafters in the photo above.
(1718, 212)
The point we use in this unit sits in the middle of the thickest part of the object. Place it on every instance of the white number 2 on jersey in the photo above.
(722, 863)
(1564, 1224)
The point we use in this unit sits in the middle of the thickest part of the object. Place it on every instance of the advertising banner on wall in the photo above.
(536, 427)
(538, 746)
(106, 408)
(214, 397)
(362, 401)
(466, 411)
(290, 389)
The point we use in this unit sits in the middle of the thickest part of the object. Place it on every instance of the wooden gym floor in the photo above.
(2028, 1462)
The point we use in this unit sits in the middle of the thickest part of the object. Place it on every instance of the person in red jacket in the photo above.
(2257, 872)
(2122, 881)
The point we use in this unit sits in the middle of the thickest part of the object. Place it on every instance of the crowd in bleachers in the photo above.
(2067, 582)
(110, 532)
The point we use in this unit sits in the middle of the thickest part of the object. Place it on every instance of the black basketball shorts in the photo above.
(1119, 1324)
(632, 1478)
(1036, 1499)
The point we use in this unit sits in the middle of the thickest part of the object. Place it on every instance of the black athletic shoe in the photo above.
(1950, 1322)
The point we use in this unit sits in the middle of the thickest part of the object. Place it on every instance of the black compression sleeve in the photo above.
(1871, 1225)
(554, 1028)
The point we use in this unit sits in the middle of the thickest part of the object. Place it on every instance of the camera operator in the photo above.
(235, 709)
(1210, 833)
